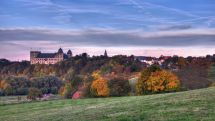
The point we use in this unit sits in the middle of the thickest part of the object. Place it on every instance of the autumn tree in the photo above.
(162, 81)
(144, 76)
(99, 86)
(3, 86)
(181, 62)
(159, 81)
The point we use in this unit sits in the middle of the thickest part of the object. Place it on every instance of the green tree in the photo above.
(66, 91)
(119, 86)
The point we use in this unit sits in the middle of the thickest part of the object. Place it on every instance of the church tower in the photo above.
(105, 54)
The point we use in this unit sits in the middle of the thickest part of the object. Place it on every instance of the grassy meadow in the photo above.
(196, 105)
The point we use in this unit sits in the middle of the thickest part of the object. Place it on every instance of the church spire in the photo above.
(105, 54)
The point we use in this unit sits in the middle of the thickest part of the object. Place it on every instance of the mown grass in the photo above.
(5, 100)
(197, 105)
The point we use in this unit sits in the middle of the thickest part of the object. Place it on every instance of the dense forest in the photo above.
(101, 76)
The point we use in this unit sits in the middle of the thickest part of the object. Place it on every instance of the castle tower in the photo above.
(60, 53)
(69, 53)
(60, 50)
(34, 54)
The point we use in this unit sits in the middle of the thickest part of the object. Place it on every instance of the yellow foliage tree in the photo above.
(141, 86)
(96, 74)
(162, 81)
(99, 86)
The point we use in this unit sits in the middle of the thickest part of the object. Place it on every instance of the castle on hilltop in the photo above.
(36, 57)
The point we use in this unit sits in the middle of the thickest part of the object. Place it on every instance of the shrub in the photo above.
(17, 85)
(1, 92)
(34, 93)
(44, 90)
(46, 84)
(66, 91)
(22, 91)
(9, 90)
(87, 81)
(54, 90)
(119, 86)
(106, 69)
(76, 80)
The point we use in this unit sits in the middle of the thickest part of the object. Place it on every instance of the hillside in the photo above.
(211, 73)
(190, 105)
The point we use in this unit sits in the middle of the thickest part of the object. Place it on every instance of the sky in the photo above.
(128, 27)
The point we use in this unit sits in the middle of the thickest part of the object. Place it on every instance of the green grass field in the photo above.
(196, 105)
(211, 74)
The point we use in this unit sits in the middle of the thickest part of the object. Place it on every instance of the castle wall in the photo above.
(46, 60)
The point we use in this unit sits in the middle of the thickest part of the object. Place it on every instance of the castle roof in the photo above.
(46, 55)
(60, 50)
(50, 55)
(69, 52)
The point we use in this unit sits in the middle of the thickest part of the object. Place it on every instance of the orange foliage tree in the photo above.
(156, 80)
(162, 81)
(99, 86)
(3, 85)
(141, 87)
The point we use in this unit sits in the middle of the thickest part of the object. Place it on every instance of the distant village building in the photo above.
(152, 60)
(147, 60)
(37, 57)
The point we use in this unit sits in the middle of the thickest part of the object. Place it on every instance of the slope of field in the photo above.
(193, 105)
(211, 74)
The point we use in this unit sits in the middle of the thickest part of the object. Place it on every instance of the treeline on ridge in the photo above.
(100, 76)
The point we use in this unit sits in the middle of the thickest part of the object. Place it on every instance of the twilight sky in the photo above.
(139, 27)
